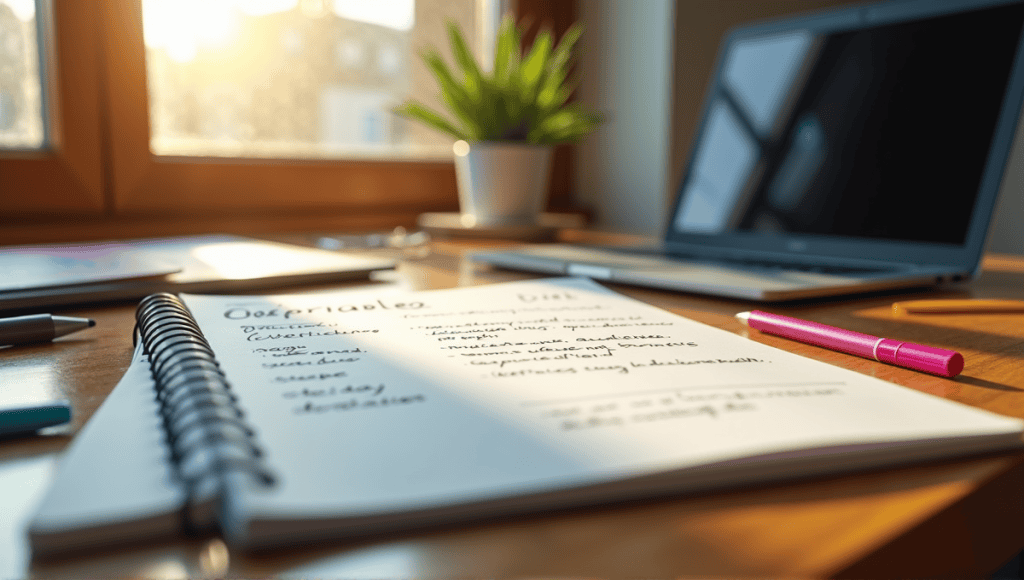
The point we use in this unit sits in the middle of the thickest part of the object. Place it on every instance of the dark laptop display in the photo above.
(854, 126)
(868, 143)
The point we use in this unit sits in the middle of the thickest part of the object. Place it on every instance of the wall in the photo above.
(1007, 235)
(625, 58)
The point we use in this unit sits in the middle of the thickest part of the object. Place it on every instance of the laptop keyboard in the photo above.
(815, 268)
(776, 266)
(749, 264)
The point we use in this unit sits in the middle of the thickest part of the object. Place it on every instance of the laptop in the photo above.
(854, 150)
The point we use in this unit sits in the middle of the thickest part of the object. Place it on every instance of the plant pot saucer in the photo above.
(451, 224)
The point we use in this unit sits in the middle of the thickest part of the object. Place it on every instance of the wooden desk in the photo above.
(956, 518)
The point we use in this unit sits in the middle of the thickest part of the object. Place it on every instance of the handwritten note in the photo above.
(609, 361)
(331, 355)
(442, 395)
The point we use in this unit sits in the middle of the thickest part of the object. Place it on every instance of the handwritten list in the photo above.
(324, 356)
(410, 399)
(569, 356)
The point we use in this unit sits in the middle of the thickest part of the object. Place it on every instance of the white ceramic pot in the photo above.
(502, 183)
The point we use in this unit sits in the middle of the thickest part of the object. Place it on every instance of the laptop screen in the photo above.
(868, 126)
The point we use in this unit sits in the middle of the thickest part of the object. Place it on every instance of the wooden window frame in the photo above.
(99, 179)
(148, 185)
(66, 178)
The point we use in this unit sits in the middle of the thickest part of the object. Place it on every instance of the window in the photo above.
(298, 78)
(147, 184)
(21, 116)
(158, 138)
(52, 161)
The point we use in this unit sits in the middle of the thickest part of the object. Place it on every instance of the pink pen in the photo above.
(937, 361)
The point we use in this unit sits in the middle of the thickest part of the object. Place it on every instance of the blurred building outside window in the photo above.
(21, 95)
(298, 79)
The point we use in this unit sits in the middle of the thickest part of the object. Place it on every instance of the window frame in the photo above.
(66, 177)
(99, 180)
(148, 184)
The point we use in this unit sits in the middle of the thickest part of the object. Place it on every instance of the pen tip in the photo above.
(743, 317)
(92, 322)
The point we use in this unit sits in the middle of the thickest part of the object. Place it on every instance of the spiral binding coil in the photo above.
(207, 435)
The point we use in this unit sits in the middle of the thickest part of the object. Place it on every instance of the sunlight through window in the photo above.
(298, 78)
(21, 117)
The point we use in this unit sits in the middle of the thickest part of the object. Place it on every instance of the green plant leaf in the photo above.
(429, 117)
(534, 65)
(567, 125)
(453, 94)
(550, 98)
(494, 112)
(508, 112)
(472, 77)
(503, 47)
(561, 57)
(553, 92)
(522, 99)
(507, 50)
(445, 79)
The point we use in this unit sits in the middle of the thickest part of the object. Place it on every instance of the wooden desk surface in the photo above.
(955, 518)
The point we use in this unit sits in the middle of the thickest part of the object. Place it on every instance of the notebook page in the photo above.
(115, 482)
(368, 404)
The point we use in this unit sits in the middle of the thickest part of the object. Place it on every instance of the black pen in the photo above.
(39, 328)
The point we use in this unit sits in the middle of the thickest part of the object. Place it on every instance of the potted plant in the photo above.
(506, 121)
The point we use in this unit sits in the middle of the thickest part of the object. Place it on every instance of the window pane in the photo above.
(21, 118)
(298, 78)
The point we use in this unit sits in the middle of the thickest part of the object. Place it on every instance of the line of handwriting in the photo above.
(302, 350)
(533, 324)
(512, 311)
(248, 328)
(596, 352)
(258, 336)
(242, 313)
(710, 411)
(506, 344)
(604, 350)
(372, 390)
(310, 377)
(679, 362)
(310, 408)
(672, 406)
(575, 327)
(309, 363)
(617, 368)
(476, 331)
(619, 401)
(546, 296)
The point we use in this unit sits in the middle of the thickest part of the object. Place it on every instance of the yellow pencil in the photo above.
(960, 306)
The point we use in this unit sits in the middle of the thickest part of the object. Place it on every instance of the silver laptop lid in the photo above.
(877, 133)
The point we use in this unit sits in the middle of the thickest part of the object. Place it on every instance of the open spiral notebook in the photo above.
(279, 420)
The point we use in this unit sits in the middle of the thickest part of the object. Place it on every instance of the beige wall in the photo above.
(1007, 233)
(625, 60)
